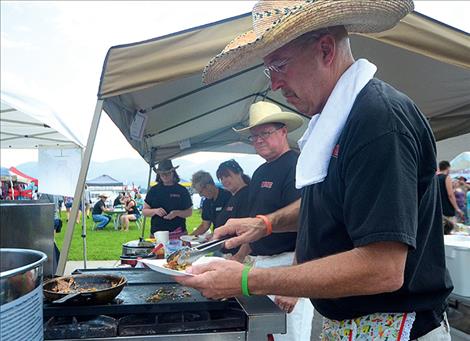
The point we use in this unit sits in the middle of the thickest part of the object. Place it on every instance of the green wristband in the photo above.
(246, 270)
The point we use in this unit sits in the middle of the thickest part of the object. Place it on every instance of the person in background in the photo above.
(448, 202)
(68, 202)
(139, 201)
(365, 246)
(133, 212)
(231, 175)
(118, 200)
(98, 210)
(87, 202)
(168, 203)
(215, 200)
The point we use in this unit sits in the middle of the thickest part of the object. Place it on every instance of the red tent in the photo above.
(22, 177)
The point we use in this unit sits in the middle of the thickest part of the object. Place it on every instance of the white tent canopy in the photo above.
(152, 90)
(27, 123)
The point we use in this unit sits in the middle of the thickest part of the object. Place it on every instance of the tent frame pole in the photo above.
(64, 254)
(148, 188)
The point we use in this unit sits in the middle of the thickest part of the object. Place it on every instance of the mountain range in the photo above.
(135, 171)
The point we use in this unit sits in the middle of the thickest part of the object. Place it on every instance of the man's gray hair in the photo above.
(202, 178)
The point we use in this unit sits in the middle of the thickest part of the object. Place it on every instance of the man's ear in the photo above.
(328, 49)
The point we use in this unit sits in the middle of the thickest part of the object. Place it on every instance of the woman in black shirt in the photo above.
(168, 203)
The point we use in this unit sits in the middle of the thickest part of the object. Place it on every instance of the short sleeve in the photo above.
(186, 199)
(206, 210)
(380, 199)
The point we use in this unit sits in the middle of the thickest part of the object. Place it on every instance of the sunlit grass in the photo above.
(107, 244)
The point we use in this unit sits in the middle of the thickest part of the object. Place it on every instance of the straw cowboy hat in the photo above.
(164, 166)
(102, 195)
(275, 23)
(265, 112)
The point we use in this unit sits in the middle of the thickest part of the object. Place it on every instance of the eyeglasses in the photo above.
(277, 67)
(263, 135)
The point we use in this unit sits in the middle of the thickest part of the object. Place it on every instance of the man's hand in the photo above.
(216, 280)
(160, 212)
(286, 303)
(246, 229)
(460, 213)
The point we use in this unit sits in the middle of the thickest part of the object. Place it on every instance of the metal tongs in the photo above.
(188, 255)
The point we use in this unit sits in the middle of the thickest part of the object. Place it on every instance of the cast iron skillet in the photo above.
(107, 288)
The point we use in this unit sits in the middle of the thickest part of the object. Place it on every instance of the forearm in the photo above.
(184, 213)
(148, 212)
(286, 218)
(202, 228)
(326, 277)
(453, 201)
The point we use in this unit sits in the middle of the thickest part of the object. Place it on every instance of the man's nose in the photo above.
(276, 81)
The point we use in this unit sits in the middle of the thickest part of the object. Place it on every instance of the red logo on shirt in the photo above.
(266, 184)
(335, 151)
(174, 195)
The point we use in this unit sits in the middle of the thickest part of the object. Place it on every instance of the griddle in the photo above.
(142, 283)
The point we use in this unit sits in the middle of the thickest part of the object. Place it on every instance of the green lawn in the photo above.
(107, 244)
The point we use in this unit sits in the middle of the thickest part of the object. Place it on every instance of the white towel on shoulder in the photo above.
(319, 140)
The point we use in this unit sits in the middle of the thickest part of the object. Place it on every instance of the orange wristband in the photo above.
(269, 226)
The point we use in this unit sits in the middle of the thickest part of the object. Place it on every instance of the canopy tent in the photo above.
(461, 162)
(22, 177)
(104, 181)
(27, 123)
(152, 89)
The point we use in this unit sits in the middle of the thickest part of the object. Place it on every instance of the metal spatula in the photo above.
(188, 255)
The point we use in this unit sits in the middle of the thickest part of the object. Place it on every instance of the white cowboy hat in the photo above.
(102, 195)
(265, 112)
(275, 23)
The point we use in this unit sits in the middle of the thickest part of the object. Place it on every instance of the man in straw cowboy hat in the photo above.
(97, 212)
(272, 187)
(370, 245)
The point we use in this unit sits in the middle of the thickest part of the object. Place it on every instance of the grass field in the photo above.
(107, 244)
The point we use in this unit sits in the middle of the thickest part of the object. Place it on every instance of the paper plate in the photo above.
(193, 239)
(158, 265)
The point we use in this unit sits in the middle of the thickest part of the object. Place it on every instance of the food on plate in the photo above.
(173, 293)
(173, 264)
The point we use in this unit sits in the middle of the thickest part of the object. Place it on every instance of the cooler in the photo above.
(457, 249)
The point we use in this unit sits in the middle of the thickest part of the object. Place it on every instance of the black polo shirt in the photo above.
(170, 198)
(381, 186)
(98, 208)
(211, 208)
(273, 187)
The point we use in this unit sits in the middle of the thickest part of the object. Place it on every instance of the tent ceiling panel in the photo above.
(26, 123)
(185, 116)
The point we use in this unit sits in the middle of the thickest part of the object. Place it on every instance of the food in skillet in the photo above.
(69, 286)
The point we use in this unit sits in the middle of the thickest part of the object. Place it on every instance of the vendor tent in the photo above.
(104, 181)
(27, 123)
(152, 90)
(22, 177)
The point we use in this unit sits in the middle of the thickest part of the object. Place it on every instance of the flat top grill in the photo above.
(131, 315)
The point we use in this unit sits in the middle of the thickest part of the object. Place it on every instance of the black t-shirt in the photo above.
(381, 186)
(211, 208)
(170, 198)
(98, 208)
(271, 188)
(237, 207)
(447, 208)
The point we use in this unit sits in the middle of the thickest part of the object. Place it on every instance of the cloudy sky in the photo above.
(54, 51)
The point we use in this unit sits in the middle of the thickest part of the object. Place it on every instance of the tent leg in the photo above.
(64, 254)
(148, 187)
(84, 230)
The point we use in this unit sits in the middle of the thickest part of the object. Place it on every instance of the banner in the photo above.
(58, 170)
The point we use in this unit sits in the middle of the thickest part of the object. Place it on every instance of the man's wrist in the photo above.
(267, 223)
